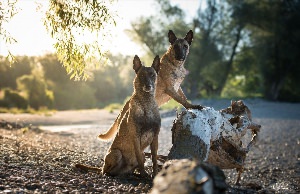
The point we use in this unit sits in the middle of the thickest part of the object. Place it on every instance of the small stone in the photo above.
(131, 190)
(141, 185)
(89, 184)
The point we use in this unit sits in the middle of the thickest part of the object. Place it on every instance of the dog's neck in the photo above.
(145, 100)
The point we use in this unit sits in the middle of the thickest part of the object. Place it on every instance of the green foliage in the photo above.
(10, 72)
(274, 32)
(205, 59)
(43, 83)
(35, 89)
(69, 21)
(247, 73)
(114, 106)
(53, 69)
(13, 99)
(171, 105)
(65, 98)
(240, 48)
(148, 31)
(8, 10)
(108, 79)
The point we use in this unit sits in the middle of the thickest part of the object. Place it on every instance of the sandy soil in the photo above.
(42, 160)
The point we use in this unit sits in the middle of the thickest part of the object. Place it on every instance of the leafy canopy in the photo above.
(7, 11)
(76, 26)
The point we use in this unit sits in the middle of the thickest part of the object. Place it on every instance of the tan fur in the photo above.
(172, 74)
(170, 77)
(139, 126)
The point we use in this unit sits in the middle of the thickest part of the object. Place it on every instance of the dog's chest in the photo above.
(146, 138)
(178, 76)
(148, 118)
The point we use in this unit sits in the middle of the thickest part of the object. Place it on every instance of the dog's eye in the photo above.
(185, 46)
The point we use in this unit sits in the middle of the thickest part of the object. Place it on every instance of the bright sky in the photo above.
(28, 29)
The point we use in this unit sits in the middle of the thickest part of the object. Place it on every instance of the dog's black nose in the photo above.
(147, 88)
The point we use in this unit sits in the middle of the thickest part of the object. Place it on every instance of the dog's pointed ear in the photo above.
(156, 63)
(189, 37)
(137, 64)
(172, 37)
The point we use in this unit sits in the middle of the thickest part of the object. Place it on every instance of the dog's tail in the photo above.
(111, 132)
(114, 127)
(88, 168)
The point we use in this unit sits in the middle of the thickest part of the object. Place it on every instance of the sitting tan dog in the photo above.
(139, 127)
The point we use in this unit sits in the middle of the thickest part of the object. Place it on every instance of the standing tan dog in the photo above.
(171, 75)
(139, 126)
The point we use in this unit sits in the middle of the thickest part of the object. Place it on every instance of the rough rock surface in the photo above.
(217, 137)
(188, 176)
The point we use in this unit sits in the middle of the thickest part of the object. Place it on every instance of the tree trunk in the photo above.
(229, 63)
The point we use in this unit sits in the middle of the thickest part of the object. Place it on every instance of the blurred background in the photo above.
(241, 49)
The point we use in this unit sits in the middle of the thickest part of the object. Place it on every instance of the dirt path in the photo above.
(43, 161)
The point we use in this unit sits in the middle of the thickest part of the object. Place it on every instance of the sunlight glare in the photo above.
(32, 38)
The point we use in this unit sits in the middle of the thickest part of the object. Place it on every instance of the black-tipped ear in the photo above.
(189, 37)
(156, 63)
(137, 64)
(172, 37)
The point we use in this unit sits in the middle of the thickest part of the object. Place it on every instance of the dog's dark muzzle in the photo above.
(148, 88)
(180, 53)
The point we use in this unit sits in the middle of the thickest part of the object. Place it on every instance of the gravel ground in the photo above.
(42, 159)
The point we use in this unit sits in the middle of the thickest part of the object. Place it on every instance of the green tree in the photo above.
(53, 69)
(35, 89)
(208, 63)
(148, 30)
(63, 88)
(245, 79)
(10, 72)
(274, 33)
(113, 82)
(13, 99)
(65, 98)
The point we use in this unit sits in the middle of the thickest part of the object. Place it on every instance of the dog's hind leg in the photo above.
(113, 162)
(114, 127)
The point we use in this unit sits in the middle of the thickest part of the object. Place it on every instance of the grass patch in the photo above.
(41, 111)
(113, 106)
(171, 105)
